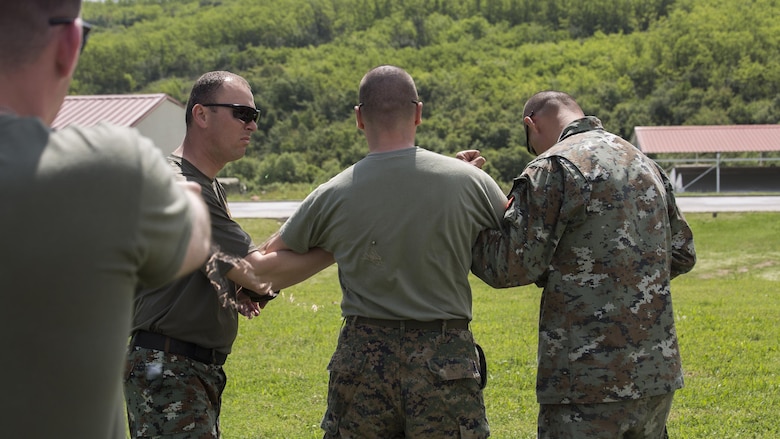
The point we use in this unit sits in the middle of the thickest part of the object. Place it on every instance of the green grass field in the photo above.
(727, 310)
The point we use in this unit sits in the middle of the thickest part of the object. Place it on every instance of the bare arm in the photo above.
(279, 266)
(285, 268)
(200, 237)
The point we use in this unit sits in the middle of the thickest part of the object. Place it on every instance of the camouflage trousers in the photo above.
(643, 418)
(171, 396)
(391, 383)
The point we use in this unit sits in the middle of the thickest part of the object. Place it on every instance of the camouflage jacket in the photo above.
(594, 222)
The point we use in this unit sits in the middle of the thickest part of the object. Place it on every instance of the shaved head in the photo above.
(387, 93)
(550, 102)
(545, 115)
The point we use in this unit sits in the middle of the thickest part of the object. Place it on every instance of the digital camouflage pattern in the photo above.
(636, 418)
(172, 396)
(389, 383)
(594, 222)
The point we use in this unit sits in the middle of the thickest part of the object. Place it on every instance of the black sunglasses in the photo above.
(85, 28)
(527, 143)
(243, 113)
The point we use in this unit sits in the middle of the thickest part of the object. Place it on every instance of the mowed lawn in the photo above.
(727, 311)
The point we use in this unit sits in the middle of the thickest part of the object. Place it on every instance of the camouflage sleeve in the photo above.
(540, 204)
(683, 251)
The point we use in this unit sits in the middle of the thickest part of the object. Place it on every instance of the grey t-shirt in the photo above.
(400, 225)
(88, 214)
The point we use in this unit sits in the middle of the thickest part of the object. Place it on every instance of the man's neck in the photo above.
(388, 141)
(388, 148)
(197, 158)
(25, 94)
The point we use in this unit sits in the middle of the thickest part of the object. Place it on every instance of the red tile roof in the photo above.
(124, 110)
(707, 139)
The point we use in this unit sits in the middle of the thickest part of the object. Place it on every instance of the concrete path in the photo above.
(729, 204)
(283, 209)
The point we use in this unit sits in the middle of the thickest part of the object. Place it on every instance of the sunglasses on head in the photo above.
(243, 113)
(85, 27)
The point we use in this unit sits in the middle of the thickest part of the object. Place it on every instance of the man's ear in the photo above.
(199, 115)
(418, 113)
(68, 47)
(531, 123)
(359, 118)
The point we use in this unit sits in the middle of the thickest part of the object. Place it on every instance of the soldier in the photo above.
(184, 330)
(89, 214)
(400, 224)
(593, 222)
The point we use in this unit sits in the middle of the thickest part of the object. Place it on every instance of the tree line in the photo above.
(629, 62)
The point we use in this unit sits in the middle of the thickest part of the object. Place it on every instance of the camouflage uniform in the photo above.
(594, 222)
(635, 418)
(172, 396)
(396, 383)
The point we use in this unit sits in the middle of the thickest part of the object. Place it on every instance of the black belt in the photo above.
(169, 345)
(434, 325)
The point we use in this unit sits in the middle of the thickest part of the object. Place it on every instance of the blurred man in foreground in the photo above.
(88, 214)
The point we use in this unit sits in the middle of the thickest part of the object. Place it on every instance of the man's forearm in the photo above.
(284, 268)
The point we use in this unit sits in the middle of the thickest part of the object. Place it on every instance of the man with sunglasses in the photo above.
(88, 214)
(184, 331)
(593, 222)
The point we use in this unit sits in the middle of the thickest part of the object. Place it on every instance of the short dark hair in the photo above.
(205, 89)
(387, 92)
(549, 99)
(25, 27)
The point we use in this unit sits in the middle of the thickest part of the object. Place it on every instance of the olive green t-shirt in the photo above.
(191, 308)
(88, 214)
(400, 225)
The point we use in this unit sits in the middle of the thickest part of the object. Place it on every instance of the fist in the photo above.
(472, 157)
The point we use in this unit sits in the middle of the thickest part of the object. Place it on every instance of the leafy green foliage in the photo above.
(630, 62)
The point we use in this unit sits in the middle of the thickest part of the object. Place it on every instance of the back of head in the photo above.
(25, 25)
(387, 94)
(205, 89)
(552, 103)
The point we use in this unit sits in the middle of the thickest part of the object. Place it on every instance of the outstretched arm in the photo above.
(285, 268)
(275, 264)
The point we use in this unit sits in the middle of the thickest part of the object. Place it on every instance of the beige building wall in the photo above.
(165, 126)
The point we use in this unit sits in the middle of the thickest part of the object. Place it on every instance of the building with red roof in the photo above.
(698, 157)
(156, 116)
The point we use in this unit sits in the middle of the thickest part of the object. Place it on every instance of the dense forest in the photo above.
(475, 62)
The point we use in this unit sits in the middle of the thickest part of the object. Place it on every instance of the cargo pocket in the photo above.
(469, 411)
(345, 368)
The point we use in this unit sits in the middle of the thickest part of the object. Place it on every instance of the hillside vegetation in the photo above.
(629, 62)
